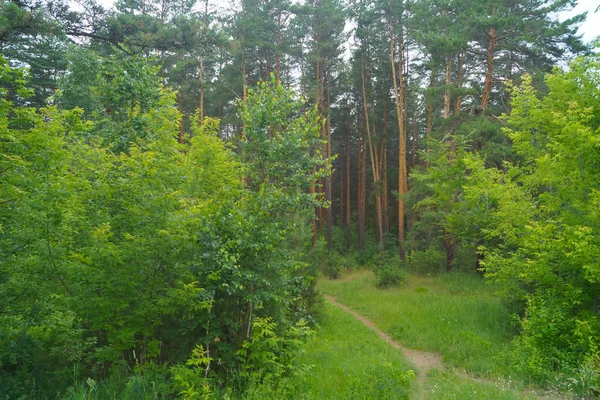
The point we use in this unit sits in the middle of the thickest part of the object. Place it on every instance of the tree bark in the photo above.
(201, 89)
(328, 194)
(347, 197)
(399, 95)
(487, 87)
(361, 193)
(449, 251)
(383, 158)
(277, 54)
(374, 160)
(448, 83)
(429, 122)
(459, 82)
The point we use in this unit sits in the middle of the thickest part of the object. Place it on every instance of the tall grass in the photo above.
(453, 314)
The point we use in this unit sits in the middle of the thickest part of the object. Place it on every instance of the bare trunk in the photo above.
(361, 194)
(399, 95)
(328, 197)
(201, 89)
(448, 83)
(347, 197)
(278, 50)
(487, 87)
(449, 251)
(459, 82)
(181, 137)
(429, 117)
(415, 140)
(374, 160)
(312, 191)
(383, 158)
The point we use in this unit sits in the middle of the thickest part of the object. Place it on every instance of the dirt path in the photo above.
(423, 360)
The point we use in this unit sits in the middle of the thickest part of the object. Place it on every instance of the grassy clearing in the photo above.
(447, 386)
(456, 315)
(346, 360)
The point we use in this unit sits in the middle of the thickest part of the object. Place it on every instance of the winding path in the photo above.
(422, 360)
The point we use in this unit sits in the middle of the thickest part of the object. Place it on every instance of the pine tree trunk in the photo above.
(449, 251)
(429, 122)
(415, 141)
(383, 158)
(448, 83)
(277, 54)
(347, 197)
(399, 95)
(459, 82)
(201, 89)
(181, 136)
(487, 87)
(312, 191)
(374, 161)
(328, 194)
(361, 194)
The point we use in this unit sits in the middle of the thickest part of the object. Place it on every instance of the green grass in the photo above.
(456, 315)
(447, 386)
(345, 360)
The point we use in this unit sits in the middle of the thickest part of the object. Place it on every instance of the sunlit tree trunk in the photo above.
(487, 87)
(402, 175)
(374, 160)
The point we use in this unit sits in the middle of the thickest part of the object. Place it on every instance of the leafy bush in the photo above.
(427, 262)
(111, 260)
(390, 275)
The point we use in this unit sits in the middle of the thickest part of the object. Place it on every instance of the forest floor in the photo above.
(450, 331)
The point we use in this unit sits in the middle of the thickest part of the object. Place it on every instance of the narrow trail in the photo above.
(422, 360)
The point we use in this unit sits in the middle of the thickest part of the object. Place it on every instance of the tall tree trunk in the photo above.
(181, 136)
(374, 161)
(449, 251)
(399, 95)
(487, 87)
(429, 122)
(312, 191)
(347, 196)
(278, 50)
(459, 82)
(447, 91)
(201, 89)
(361, 193)
(415, 140)
(328, 196)
(383, 157)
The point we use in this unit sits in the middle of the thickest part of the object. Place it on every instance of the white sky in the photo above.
(590, 29)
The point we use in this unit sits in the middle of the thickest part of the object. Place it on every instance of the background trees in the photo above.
(409, 95)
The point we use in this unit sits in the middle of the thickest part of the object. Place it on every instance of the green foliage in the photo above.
(111, 260)
(281, 142)
(331, 264)
(455, 314)
(390, 276)
(117, 93)
(269, 355)
(545, 219)
(429, 261)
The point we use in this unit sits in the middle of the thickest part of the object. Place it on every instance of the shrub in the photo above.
(428, 261)
(390, 275)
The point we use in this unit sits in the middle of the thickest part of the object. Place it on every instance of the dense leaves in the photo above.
(132, 258)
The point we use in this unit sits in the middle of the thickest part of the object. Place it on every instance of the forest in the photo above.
(209, 199)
